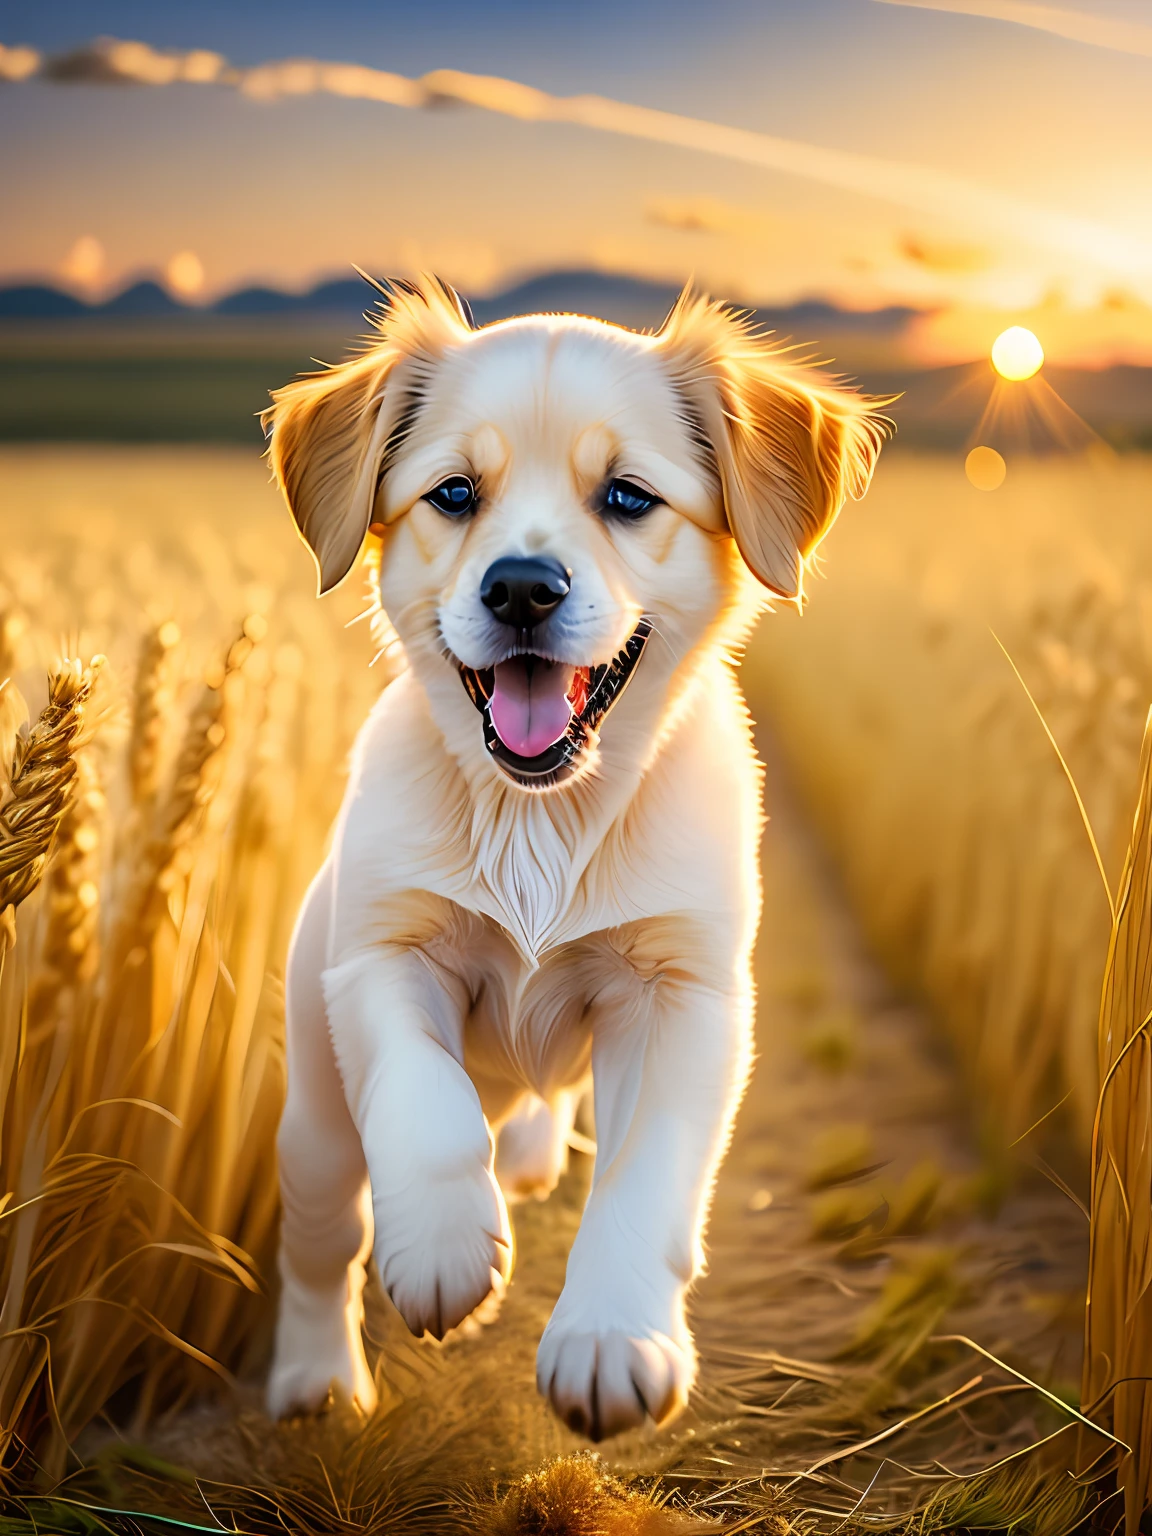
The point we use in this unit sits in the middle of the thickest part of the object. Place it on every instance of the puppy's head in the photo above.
(564, 504)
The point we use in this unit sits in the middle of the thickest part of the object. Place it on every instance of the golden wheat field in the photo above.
(891, 1327)
(965, 705)
(930, 773)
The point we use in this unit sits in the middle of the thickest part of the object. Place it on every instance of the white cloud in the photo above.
(1078, 26)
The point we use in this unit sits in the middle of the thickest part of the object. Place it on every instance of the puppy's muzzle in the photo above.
(523, 590)
(541, 715)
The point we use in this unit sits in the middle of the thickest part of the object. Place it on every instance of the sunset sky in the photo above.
(1003, 149)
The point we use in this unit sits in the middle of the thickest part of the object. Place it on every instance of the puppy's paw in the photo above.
(605, 1381)
(442, 1255)
(532, 1148)
(319, 1352)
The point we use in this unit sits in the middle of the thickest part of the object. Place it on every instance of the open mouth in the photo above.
(539, 715)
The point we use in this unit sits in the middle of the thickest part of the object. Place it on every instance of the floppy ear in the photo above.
(790, 442)
(331, 431)
(328, 435)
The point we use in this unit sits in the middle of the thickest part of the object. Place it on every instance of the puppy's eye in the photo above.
(455, 496)
(628, 500)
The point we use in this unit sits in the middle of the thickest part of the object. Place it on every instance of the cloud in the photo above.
(707, 215)
(710, 216)
(18, 63)
(108, 61)
(1077, 26)
(941, 256)
(356, 82)
(916, 188)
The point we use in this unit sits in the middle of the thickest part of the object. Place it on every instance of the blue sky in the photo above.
(289, 190)
(562, 44)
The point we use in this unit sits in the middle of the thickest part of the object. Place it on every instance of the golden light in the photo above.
(1017, 354)
(986, 469)
(84, 263)
(185, 274)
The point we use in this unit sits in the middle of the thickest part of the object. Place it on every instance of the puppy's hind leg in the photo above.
(326, 1222)
(532, 1149)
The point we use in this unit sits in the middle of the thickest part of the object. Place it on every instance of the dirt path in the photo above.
(851, 1227)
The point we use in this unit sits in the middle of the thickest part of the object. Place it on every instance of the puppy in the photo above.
(544, 872)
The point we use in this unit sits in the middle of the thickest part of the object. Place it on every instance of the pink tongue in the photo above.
(530, 707)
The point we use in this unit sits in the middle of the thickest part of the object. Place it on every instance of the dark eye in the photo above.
(628, 500)
(454, 496)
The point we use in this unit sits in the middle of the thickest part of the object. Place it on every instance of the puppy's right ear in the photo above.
(330, 431)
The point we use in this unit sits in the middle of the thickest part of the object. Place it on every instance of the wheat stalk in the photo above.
(39, 796)
(12, 631)
(1118, 1315)
(160, 867)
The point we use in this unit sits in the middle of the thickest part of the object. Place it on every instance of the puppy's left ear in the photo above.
(791, 443)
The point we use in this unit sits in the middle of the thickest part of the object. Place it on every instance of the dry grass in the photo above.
(574, 1496)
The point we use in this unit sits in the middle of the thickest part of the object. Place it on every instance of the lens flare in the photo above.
(185, 274)
(1017, 354)
(85, 263)
(985, 468)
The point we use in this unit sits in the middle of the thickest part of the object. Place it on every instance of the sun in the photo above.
(1017, 354)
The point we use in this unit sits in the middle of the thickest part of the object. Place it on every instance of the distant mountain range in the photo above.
(144, 367)
(625, 300)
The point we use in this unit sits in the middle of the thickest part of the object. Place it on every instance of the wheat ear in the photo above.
(40, 786)
(70, 948)
(151, 710)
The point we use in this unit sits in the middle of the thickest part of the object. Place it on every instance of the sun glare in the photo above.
(985, 468)
(84, 263)
(1017, 354)
(185, 274)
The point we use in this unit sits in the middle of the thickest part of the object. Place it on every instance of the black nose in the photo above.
(523, 590)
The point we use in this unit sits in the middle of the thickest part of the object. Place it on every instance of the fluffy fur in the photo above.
(474, 952)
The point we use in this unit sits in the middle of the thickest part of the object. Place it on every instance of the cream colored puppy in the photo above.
(545, 868)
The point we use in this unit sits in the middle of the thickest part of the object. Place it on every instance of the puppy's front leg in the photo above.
(668, 1068)
(442, 1242)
